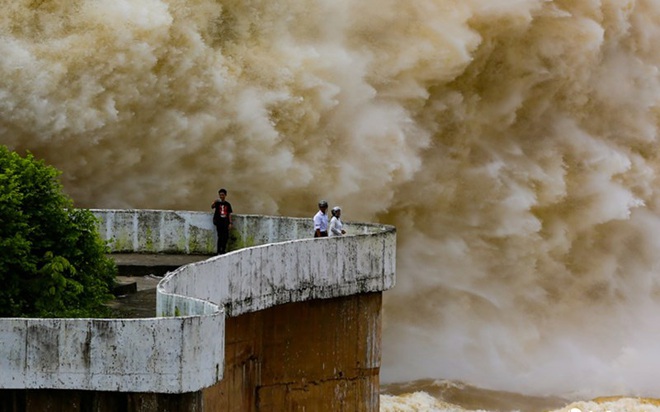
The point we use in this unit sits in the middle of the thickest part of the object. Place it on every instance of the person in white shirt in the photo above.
(321, 220)
(336, 225)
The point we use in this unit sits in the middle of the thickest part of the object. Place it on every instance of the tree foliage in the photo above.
(52, 260)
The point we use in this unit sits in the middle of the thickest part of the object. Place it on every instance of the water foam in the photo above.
(513, 144)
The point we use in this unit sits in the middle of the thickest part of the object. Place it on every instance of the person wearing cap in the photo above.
(336, 225)
(321, 220)
(222, 219)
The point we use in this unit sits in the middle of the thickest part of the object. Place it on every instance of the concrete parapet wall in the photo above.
(157, 231)
(190, 232)
(166, 355)
(293, 271)
(184, 351)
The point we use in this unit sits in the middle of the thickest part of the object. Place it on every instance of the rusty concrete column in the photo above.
(317, 355)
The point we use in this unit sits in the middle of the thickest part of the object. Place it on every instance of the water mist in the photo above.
(512, 142)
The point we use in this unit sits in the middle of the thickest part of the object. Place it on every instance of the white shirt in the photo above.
(321, 221)
(335, 226)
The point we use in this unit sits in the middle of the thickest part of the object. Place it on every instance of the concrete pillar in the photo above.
(327, 359)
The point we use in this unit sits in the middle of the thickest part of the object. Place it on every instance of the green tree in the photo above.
(52, 260)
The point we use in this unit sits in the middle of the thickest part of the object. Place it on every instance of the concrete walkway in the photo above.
(138, 277)
(142, 264)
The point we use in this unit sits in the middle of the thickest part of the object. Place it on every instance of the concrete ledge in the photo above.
(166, 355)
(264, 276)
(193, 233)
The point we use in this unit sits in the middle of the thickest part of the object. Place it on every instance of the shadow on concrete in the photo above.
(139, 274)
(143, 264)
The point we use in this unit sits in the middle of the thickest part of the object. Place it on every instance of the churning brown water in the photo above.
(514, 144)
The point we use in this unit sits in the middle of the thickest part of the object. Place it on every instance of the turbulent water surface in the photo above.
(514, 144)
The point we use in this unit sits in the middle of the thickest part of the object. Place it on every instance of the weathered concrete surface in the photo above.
(167, 355)
(157, 264)
(327, 359)
(141, 304)
(184, 352)
(261, 277)
(190, 232)
(157, 231)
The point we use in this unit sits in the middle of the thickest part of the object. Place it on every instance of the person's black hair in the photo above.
(222, 191)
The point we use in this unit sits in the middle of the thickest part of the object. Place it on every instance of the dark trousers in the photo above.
(223, 238)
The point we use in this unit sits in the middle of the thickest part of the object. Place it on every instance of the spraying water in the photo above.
(514, 144)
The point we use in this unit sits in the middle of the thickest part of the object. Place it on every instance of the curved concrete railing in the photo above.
(184, 351)
(257, 278)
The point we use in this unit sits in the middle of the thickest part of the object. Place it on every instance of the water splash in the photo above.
(512, 142)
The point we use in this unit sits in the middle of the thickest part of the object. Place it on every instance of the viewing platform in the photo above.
(281, 322)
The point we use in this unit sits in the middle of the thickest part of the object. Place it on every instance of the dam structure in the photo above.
(281, 322)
